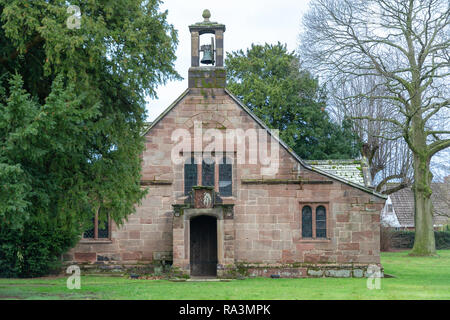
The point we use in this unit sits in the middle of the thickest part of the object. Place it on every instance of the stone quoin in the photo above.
(230, 218)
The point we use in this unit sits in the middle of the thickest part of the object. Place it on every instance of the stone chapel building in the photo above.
(210, 214)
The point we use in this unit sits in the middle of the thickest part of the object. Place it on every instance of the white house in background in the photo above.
(388, 215)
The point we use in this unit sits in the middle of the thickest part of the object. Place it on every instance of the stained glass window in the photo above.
(190, 175)
(321, 222)
(208, 172)
(307, 222)
(225, 177)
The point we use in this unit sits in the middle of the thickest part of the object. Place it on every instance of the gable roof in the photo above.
(168, 109)
(403, 203)
(278, 139)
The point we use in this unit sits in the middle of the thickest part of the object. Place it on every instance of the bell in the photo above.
(207, 55)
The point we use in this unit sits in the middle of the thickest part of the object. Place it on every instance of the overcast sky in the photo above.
(246, 21)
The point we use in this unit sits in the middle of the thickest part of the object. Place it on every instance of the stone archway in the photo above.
(203, 246)
(182, 223)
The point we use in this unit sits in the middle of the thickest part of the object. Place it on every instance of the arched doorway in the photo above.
(203, 246)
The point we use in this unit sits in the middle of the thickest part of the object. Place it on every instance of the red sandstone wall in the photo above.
(266, 217)
(268, 225)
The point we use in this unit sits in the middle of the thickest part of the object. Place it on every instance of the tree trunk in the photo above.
(424, 243)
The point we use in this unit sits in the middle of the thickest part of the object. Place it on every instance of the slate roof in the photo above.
(403, 204)
(350, 170)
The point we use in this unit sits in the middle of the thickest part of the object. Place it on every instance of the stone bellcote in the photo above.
(212, 73)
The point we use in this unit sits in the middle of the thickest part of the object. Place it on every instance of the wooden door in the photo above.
(203, 253)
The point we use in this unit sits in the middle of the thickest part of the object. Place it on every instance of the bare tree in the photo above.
(441, 188)
(406, 44)
(441, 199)
(390, 160)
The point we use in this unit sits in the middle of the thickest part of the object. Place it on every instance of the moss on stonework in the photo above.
(241, 270)
(203, 187)
(234, 271)
(203, 93)
(176, 272)
(211, 85)
(209, 24)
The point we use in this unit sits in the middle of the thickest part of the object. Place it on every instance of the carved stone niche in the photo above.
(203, 197)
(178, 209)
(228, 211)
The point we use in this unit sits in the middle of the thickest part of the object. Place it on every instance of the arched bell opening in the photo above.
(207, 49)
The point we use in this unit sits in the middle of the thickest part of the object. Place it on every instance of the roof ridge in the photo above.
(277, 138)
(297, 157)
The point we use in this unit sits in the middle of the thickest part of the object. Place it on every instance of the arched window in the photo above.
(307, 222)
(321, 222)
(208, 169)
(225, 177)
(190, 175)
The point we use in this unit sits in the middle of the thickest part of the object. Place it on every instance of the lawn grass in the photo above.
(415, 278)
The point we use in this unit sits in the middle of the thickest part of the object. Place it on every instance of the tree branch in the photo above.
(36, 40)
(437, 146)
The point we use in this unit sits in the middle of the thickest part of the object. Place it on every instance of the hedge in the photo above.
(36, 249)
(405, 239)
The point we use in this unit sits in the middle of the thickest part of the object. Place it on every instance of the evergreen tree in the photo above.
(269, 80)
(71, 119)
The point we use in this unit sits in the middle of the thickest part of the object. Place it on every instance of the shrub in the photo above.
(405, 239)
(35, 249)
(442, 239)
